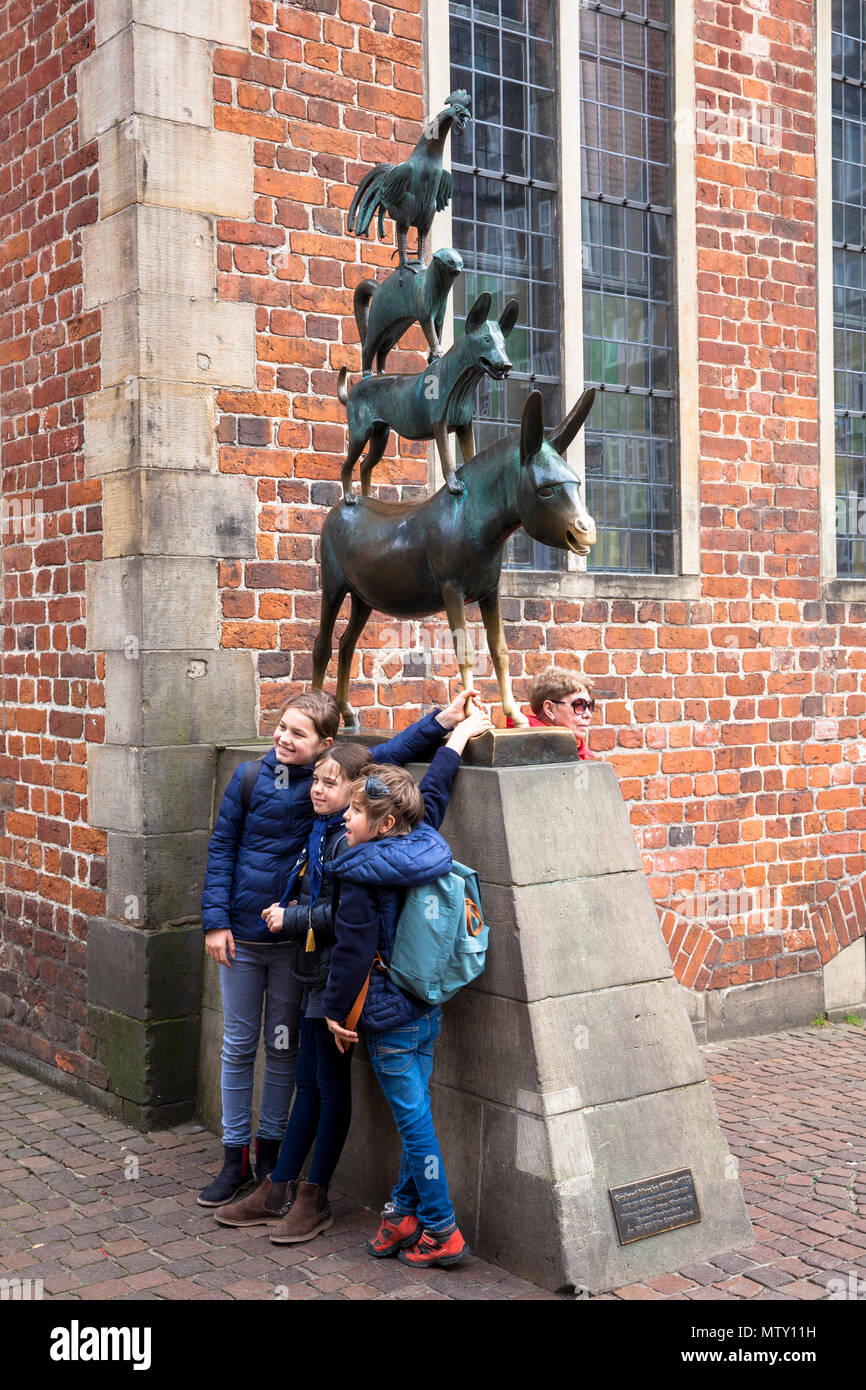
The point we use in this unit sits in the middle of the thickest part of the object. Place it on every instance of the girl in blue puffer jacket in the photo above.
(249, 857)
(392, 845)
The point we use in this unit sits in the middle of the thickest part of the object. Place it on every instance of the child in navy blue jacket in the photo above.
(393, 844)
(249, 856)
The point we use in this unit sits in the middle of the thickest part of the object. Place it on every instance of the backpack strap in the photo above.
(355, 1012)
(473, 916)
(248, 781)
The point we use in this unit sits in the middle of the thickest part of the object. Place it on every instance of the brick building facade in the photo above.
(176, 303)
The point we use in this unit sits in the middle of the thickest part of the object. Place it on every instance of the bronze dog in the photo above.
(430, 405)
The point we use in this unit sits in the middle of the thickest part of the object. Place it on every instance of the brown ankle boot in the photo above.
(310, 1214)
(265, 1205)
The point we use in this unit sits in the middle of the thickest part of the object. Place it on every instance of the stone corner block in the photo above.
(147, 160)
(150, 791)
(149, 424)
(173, 338)
(143, 71)
(143, 974)
(223, 21)
(141, 602)
(161, 512)
(159, 250)
(166, 698)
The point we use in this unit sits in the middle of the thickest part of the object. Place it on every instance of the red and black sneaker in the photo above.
(395, 1231)
(435, 1248)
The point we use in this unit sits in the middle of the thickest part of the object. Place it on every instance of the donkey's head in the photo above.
(548, 492)
(485, 337)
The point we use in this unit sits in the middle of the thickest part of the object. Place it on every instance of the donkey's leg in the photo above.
(356, 448)
(466, 440)
(334, 590)
(355, 626)
(491, 615)
(375, 449)
(440, 434)
(455, 609)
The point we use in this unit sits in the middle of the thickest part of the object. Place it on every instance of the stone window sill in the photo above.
(567, 584)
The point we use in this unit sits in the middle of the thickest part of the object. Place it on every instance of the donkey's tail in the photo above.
(342, 392)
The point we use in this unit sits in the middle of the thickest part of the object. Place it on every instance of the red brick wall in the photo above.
(52, 863)
(327, 90)
(735, 722)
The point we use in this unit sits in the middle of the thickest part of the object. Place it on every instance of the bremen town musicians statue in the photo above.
(412, 559)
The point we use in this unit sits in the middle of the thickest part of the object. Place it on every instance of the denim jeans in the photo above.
(258, 975)
(322, 1110)
(403, 1062)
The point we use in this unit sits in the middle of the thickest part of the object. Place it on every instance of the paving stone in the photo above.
(793, 1107)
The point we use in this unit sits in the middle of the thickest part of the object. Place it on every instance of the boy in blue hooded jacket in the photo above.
(393, 844)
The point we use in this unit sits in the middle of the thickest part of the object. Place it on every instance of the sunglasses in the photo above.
(579, 705)
(375, 788)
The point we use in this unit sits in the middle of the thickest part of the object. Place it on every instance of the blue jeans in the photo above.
(258, 975)
(403, 1062)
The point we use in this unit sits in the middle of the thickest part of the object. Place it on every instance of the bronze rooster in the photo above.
(414, 191)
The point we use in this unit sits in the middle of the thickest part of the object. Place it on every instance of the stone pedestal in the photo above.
(571, 1066)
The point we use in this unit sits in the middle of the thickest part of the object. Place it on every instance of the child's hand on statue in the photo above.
(477, 722)
(458, 709)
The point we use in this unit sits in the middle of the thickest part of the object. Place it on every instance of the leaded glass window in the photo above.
(505, 208)
(628, 245)
(849, 282)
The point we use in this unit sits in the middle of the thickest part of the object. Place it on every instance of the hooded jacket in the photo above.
(249, 857)
(372, 880)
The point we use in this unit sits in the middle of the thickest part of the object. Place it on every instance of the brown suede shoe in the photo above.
(267, 1204)
(310, 1214)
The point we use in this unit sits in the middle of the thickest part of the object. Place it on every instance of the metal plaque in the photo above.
(655, 1205)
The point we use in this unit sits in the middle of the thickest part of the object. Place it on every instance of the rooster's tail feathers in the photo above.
(366, 199)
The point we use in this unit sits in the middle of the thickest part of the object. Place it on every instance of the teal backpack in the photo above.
(440, 942)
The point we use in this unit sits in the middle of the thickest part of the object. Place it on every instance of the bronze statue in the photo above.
(414, 191)
(411, 559)
(430, 405)
(410, 295)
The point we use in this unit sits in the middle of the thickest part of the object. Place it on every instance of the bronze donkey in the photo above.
(428, 405)
(411, 559)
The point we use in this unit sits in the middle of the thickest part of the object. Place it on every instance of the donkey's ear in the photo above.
(564, 433)
(479, 313)
(532, 427)
(508, 317)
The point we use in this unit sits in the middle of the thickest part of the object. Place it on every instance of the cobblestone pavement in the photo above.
(96, 1210)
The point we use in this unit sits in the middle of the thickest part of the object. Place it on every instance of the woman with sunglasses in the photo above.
(564, 700)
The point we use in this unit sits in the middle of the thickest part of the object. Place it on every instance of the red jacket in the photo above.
(582, 748)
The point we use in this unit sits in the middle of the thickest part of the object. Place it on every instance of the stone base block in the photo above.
(572, 1068)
